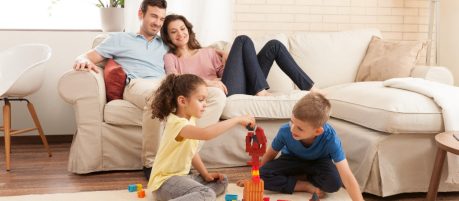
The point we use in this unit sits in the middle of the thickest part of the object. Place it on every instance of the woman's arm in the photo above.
(209, 132)
(349, 181)
(201, 168)
(170, 64)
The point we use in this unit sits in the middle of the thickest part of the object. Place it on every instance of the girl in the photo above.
(245, 72)
(180, 100)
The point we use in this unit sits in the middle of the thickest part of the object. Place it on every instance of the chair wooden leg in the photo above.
(436, 175)
(6, 131)
(38, 125)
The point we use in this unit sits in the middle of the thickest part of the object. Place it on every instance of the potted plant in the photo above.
(112, 15)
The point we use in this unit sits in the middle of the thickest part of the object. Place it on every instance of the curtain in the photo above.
(212, 19)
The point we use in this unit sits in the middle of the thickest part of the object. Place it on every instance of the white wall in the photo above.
(56, 116)
(398, 20)
(448, 45)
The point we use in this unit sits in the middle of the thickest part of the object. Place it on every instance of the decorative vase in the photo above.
(112, 19)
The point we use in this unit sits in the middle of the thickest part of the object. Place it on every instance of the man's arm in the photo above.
(87, 61)
(349, 181)
(268, 156)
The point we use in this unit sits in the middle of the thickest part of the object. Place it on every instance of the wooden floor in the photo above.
(33, 172)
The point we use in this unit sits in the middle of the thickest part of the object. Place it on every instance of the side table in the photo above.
(445, 143)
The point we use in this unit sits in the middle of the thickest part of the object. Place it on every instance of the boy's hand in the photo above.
(241, 182)
(246, 120)
(214, 176)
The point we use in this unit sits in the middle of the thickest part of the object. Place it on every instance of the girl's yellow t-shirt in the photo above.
(174, 155)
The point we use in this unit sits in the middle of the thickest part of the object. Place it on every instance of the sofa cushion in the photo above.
(390, 110)
(278, 106)
(115, 80)
(388, 59)
(121, 112)
(331, 58)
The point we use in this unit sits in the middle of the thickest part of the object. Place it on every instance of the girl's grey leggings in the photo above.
(190, 187)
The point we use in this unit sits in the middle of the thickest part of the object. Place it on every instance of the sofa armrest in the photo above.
(434, 73)
(85, 91)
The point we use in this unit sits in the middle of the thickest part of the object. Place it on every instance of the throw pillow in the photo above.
(115, 80)
(388, 59)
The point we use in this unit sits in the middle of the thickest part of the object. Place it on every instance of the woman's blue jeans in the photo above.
(246, 72)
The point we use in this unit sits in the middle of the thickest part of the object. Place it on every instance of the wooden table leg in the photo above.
(436, 175)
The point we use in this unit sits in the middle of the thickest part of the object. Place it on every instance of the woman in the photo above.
(245, 72)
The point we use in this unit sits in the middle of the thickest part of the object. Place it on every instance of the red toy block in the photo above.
(141, 194)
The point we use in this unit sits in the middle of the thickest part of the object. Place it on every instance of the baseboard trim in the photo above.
(35, 139)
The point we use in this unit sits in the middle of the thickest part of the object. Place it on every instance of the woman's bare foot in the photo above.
(317, 90)
(263, 93)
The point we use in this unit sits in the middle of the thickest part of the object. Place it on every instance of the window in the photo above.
(49, 14)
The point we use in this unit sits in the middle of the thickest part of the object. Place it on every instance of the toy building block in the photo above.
(253, 190)
(230, 197)
(266, 199)
(255, 145)
(139, 187)
(141, 194)
(132, 188)
(314, 197)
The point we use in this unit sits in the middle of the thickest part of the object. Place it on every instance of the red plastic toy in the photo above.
(255, 145)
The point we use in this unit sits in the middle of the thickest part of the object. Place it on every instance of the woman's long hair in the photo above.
(192, 42)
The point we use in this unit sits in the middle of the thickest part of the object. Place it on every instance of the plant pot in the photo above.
(112, 19)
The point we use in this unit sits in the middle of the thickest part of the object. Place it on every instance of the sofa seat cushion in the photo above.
(121, 112)
(278, 106)
(389, 110)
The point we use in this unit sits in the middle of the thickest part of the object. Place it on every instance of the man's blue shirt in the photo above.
(326, 145)
(138, 57)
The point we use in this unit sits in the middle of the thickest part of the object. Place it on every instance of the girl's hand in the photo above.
(214, 176)
(246, 120)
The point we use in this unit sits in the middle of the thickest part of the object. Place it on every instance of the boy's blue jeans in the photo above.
(246, 72)
(281, 174)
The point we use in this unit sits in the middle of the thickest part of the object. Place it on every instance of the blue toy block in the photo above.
(230, 197)
(132, 187)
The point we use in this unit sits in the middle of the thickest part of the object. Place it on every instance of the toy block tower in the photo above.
(255, 142)
(253, 188)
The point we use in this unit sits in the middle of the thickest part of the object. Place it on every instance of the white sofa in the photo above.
(387, 133)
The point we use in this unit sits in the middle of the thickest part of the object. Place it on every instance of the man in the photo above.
(141, 57)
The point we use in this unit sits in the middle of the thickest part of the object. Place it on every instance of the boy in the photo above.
(310, 147)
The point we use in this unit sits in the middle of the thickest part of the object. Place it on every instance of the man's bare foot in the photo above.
(263, 93)
(241, 182)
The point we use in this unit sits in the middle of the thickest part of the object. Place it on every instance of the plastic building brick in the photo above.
(132, 188)
(253, 190)
(141, 194)
(266, 199)
(230, 197)
(139, 187)
(255, 145)
(314, 197)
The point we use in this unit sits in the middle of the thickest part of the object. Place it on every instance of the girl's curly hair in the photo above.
(165, 97)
